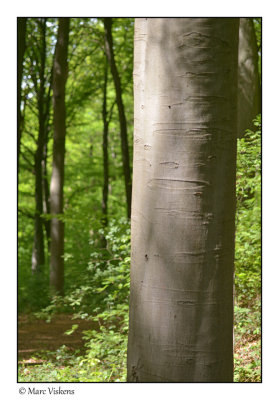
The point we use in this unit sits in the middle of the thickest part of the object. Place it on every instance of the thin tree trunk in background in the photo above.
(46, 193)
(181, 302)
(121, 112)
(21, 44)
(38, 255)
(46, 190)
(249, 89)
(57, 178)
(105, 150)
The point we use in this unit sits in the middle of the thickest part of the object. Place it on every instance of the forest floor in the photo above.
(36, 335)
(45, 350)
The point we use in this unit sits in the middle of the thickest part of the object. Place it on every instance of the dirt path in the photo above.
(35, 335)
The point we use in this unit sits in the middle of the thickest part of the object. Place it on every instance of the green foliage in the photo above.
(258, 32)
(103, 297)
(65, 366)
(84, 153)
(33, 291)
(247, 310)
(107, 348)
(250, 371)
(247, 359)
(106, 279)
(51, 366)
(247, 322)
(248, 217)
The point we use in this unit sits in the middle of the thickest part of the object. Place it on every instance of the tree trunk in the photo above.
(181, 302)
(57, 178)
(46, 190)
(249, 91)
(121, 112)
(46, 193)
(105, 151)
(38, 255)
(21, 44)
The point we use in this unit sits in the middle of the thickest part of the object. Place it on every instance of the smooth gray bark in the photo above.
(249, 88)
(57, 177)
(183, 207)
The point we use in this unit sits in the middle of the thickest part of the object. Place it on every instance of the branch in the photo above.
(32, 107)
(29, 151)
(25, 213)
(77, 191)
(30, 134)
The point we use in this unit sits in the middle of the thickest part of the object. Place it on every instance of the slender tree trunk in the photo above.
(181, 303)
(249, 89)
(57, 178)
(38, 255)
(121, 112)
(21, 44)
(46, 193)
(105, 150)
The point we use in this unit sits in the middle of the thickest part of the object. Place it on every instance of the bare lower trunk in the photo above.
(57, 178)
(181, 303)
(121, 113)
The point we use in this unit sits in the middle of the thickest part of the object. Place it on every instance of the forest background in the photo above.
(97, 233)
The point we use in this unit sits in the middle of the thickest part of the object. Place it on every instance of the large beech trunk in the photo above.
(181, 303)
(57, 177)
